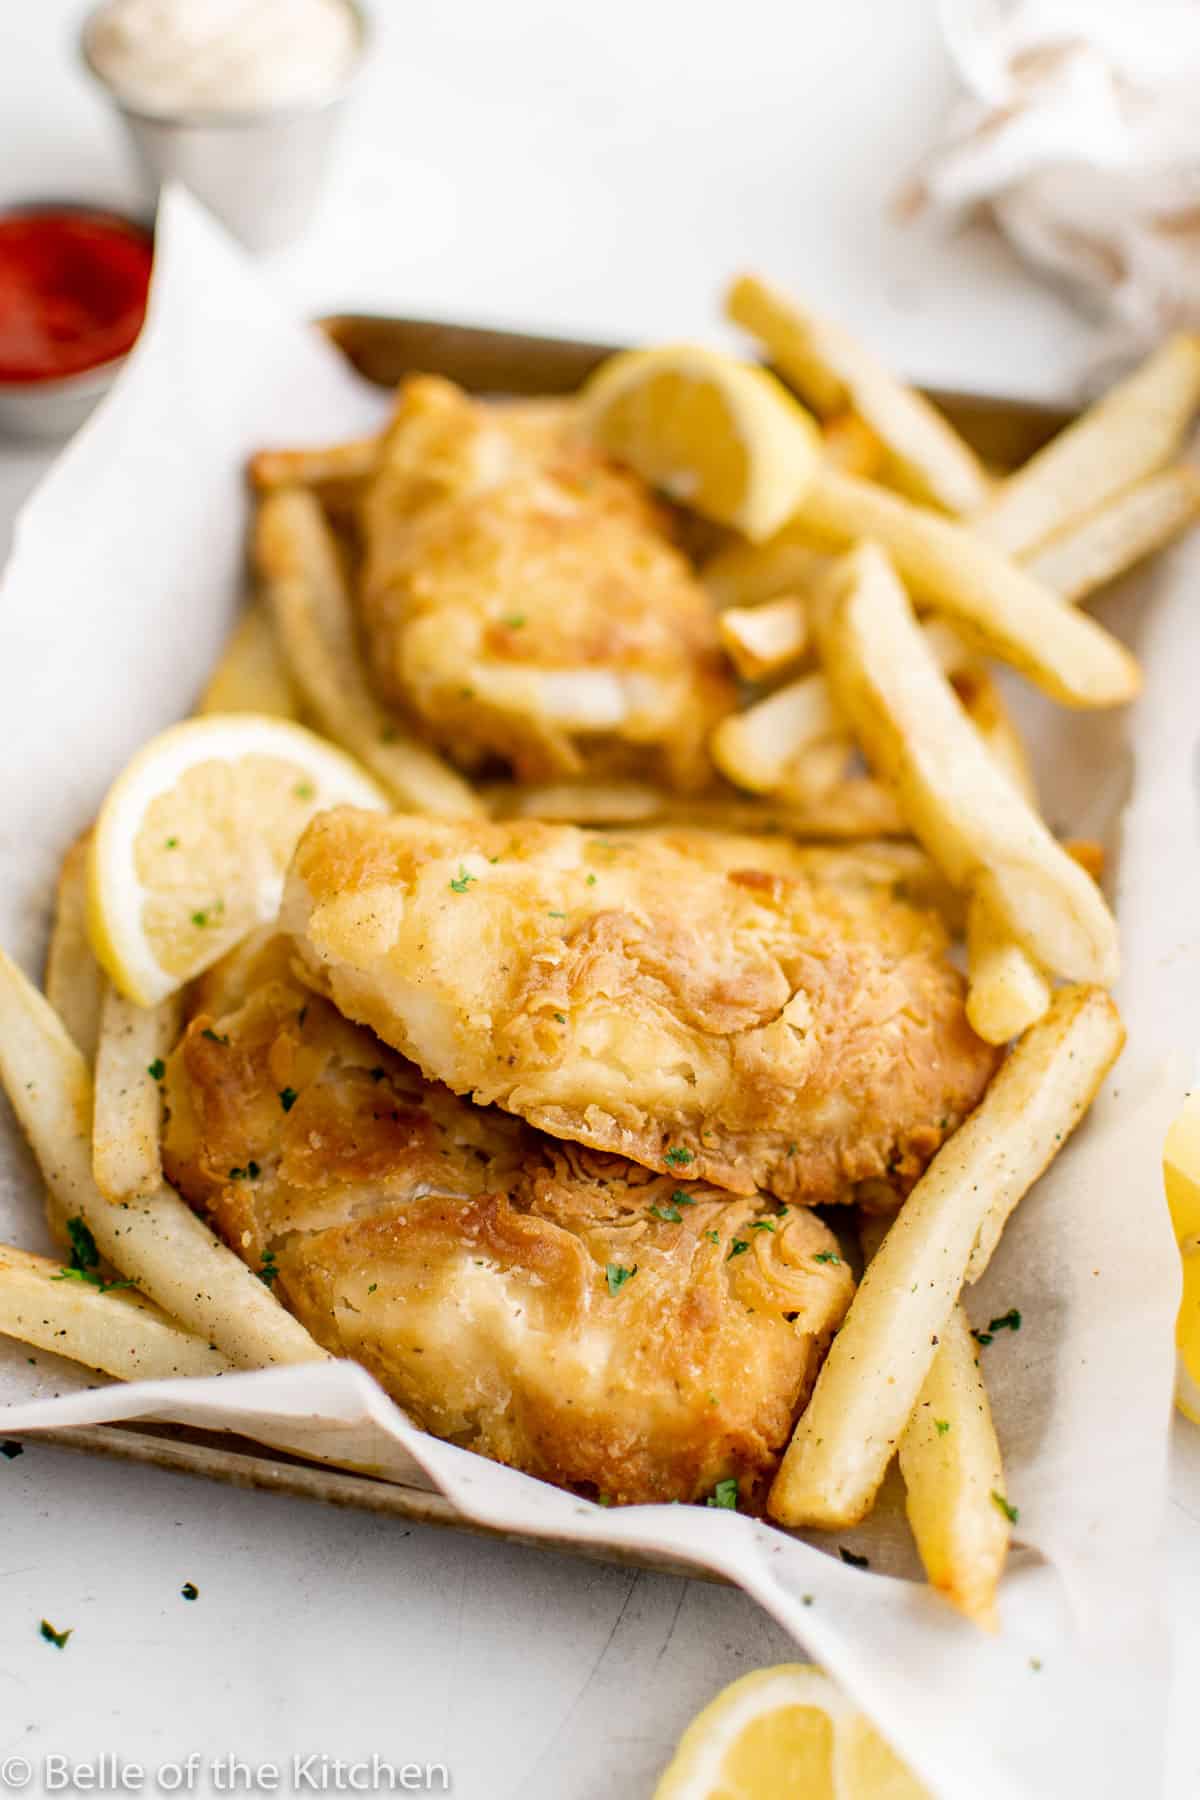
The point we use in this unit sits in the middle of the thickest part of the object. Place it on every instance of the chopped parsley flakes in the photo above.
(714, 1237)
(762, 1224)
(725, 1495)
(157, 1069)
(682, 1199)
(618, 1275)
(1011, 1513)
(57, 1638)
(214, 1037)
(1009, 1321)
(670, 1214)
(941, 1426)
(827, 1256)
(678, 1157)
(251, 1172)
(10, 1448)
(462, 881)
(85, 1260)
(288, 1098)
(736, 1248)
(189, 1590)
(268, 1272)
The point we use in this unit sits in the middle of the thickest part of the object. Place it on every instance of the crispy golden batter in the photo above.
(675, 998)
(521, 597)
(474, 1266)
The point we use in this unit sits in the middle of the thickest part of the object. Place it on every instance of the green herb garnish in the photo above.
(57, 1638)
(941, 1426)
(157, 1069)
(618, 1276)
(827, 1256)
(214, 1037)
(678, 1157)
(288, 1098)
(725, 1495)
(670, 1214)
(190, 1591)
(85, 1260)
(1011, 1513)
(268, 1272)
(462, 881)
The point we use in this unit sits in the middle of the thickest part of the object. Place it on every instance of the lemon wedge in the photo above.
(1187, 1336)
(788, 1730)
(720, 435)
(1181, 1168)
(193, 840)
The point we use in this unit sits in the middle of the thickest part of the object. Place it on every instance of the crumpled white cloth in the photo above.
(1079, 135)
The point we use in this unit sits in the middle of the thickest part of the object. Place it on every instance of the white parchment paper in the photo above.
(126, 570)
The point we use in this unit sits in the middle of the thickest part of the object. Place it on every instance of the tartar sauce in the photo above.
(172, 56)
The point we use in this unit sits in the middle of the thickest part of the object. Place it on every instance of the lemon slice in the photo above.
(193, 839)
(788, 1730)
(720, 435)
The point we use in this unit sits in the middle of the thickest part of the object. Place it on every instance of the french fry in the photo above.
(157, 1241)
(355, 460)
(954, 1478)
(881, 1357)
(851, 445)
(744, 574)
(1133, 431)
(121, 1333)
(984, 705)
(831, 370)
(756, 748)
(983, 834)
(1003, 610)
(251, 675)
(762, 640)
(74, 979)
(858, 807)
(1107, 543)
(127, 1104)
(306, 591)
(1006, 991)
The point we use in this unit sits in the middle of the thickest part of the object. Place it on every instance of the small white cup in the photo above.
(259, 171)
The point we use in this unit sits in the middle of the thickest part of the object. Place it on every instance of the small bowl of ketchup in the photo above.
(73, 287)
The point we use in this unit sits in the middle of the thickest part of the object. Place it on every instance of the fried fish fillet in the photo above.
(566, 1312)
(522, 598)
(684, 1000)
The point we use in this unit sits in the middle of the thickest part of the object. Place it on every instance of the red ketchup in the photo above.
(73, 288)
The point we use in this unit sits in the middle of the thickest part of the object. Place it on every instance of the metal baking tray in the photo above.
(385, 350)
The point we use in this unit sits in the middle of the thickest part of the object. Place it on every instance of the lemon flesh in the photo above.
(194, 838)
(788, 1730)
(719, 435)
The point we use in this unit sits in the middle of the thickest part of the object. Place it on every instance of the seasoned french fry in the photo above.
(1133, 431)
(157, 1241)
(881, 1357)
(762, 640)
(119, 1332)
(74, 979)
(851, 445)
(127, 1117)
(755, 748)
(831, 370)
(1004, 611)
(1006, 991)
(1087, 853)
(251, 675)
(858, 807)
(975, 824)
(352, 461)
(744, 574)
(306, 591)
(954, 1478)
(984, 705)
(1122, 533)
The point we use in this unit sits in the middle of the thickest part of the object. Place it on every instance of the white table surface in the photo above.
(597, 171)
